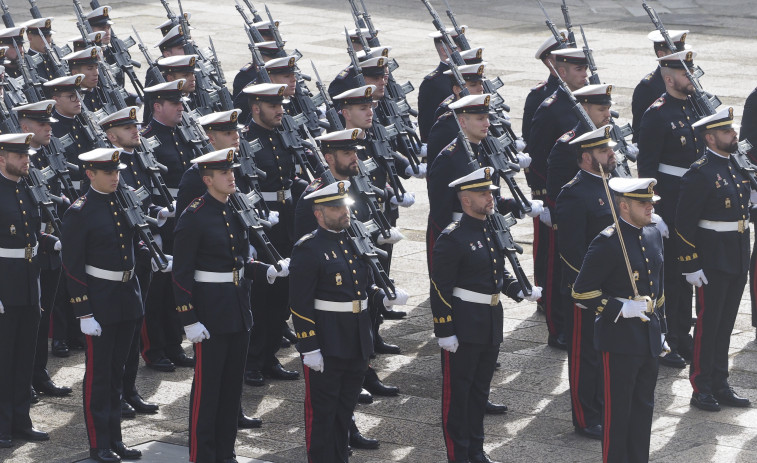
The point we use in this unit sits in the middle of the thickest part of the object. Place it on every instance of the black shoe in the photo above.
(279, 372)
(727, 396)
(127, 453)
(365, 397)
(686, 353)
(285, 342)
(592, 432)
(394, 314)
(60, 348)
(254, 378)
(34, 397)
(381, 347)
(376, 387)
(31, 434)
(183, 360)
(5, 441)
(104, 455)
(480, 458)
(245, 422)
(139, 405)
(289, 334)
(497, 366)
(162, 364)
(50, 388)
(359, 441)
(495, 409)
(558, 341)
(673, 360)
(706, 402)
(127, 411)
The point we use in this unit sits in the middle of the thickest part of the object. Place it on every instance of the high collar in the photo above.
(628, 228)
(5, 179)
(330, 234)
(716, 156)
(469, 221)
(672, 99)
(158, 126)
(211, 201)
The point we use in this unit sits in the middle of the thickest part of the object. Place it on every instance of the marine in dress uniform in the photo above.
(652, 86)
(39, 31)
(749, 132)
(8, 36)
(712, 223)
(211, 281)
(668, 145)
(581, 212)
(249, 73)
(467, 279)
(99, 267)
(628, 330)
(345, 80)
(85, 62)
(20, 242)
(545, 88)
(182, 67)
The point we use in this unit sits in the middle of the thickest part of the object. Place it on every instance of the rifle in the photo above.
(458, 30)
(331, 115)
(594, 77)
(560, 38)
(32, 81)
(39, 190)
(742, 162)
(92, 129)
(129, 201)
(224, 96)
(255, 16)
(253, 34)
(244, 210)
(251, 172)
(704, 104)
(7, 18)
(578, 110)
(363, 20)
(568, 24)
(59, 51)
(698, 72)
(274, 29)
(55, 59)
(146, 159)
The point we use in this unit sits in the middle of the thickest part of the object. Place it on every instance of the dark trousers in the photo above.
(215, 396)
(585, 372)
(330, 398)
(466, 377)
(103, 377)
(629, 383)
(18, 338)
(548, 275)
(65, 325)
(49, 280)
(270, 309)
(678, 294)
(753, 283)
(144, 275)
(718, 305)
(162, 332)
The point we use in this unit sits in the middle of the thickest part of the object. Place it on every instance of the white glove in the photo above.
(449, 343)
(633, 149)
(253, 252)
(537, 207)
(272, 273)
(401, 298)
(424, 149)
(546, 217)
(524, 160)
(164, 213)
(2, 308)
(57, 246)
(661, 225)
(520, 144)
(159, 241)
(156, 268)
(273, 217)
(535, 294)
(665, 347)
(394, 236)
(696, 278)
(634, 309)
(196, 332)
(313, 360)
(753, 197)
(422, 169)
(408, 199)
(90, 327)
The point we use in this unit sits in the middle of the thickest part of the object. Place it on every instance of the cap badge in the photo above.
(233, 117)
(487, 173)
(179, 84)
(77, 82)
(380, 62)
(48, 23)
(281, 91)
(355, 134)
(292, 61)
(607, 132)
(192, 61)
(730, 113)
(609, 89)
(28, 139)
(486, 100)
(114, 158)
(368, 91)
(689, 56)
(479, 52)
(340, 185)
(49, 109)
(683, 38)
(481, 70)
(133, 113)
(105, 11)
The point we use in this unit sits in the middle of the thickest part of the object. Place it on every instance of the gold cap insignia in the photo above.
(233, 117)
(683, 38)
(192, 61)
(114, 158)
(488, 173)
(281, 90)
(179, 84)
(689, 56)
(292, 61)
(380, 62)
(481, 70)
(368, 92)
(385, 52)
(609, 89)
(48, 23)
(98, 37)
(28, 139)
(355, 134)
(93, 53)
(105, 11)
(479, 52)
(340, 185)
(486, 100)
(607, 132)
(77, 82)
(49, 109)
(730, 113)
(230, 156)
(133, 113)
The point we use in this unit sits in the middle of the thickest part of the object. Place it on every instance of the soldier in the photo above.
(545, 88)
(331, 289)
(345, 80)
(9, 37)
(712, 221)
(20, 241)
(749, 132)
(466, 285)
(628, 331)
(172, 44)
(581, 212)
(652, 85)
(667, 147)
(180, 67)
(99, 263)
(39, 31)
(85, 62)
(249, 73)
(213, 302)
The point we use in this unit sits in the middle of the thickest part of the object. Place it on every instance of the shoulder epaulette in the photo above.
(608, 232)
(314, 185)
(649, 76)
(658, 103)
(146, 130)
(444, 116)
(568, 136)
(451, 146)
(699, 162)
(432, 74)
(79, 203)
(572, 182)
(246, 67)
(448, 100)
(450, 228)
(549, 100)
(541, 85)
(304, 238)
(345, 72)
(195, 205)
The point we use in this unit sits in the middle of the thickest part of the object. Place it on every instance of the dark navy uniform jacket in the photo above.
(582, 211)
(343, 81)
(209, 237)
(646, 92)
(535, 97)
(431, 92)
(172, 151)
(244, 77)
(562, 164)
(466, 256)
(48, 260)
(44, 68)
(713, 189)
(325, 267)
(92, 99)
(604, 277)
(20, 228)
(666, 137)
(749, 123)
(442, 133)
(81, 144)
(96, 234)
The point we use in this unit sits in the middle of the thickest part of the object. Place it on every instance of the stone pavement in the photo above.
(533, 380)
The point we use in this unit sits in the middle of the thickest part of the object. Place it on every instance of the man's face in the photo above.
(358, 115)
(168, 112)
(173, 51)
(222, 139)
(574, 75)
(42, 131)
(599, 114)
(344, 162)
(726, 140)
(91, 74)
(681, 83)
(480, 202)
(476, 126)
(67, 104)
(220, 181)
(105, 29)
(380, 83)
(104, 181)
(189, 85)
(290, 79)
(11, 54)
(639, 212)
(335, 218)
(604, 157)
(268, 115)
(15, 164)
(124, 136)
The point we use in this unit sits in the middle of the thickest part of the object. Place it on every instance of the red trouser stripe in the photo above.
(446, 399)
(548, 295)
(608, 402)
(196, 400)
(90, 371)
(308, 410)
(697, 360)
(537, 224)
(575, 367)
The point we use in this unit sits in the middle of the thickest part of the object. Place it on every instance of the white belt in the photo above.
(219, 277)
(174, 192)
(19, 253)
(122, 276)
(281, 195)
(456, 216)
(331, 306)
(671, 170)
(718, 226)
(476, 298)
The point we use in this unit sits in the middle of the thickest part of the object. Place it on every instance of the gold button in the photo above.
(358, 293)
(118, 224)
(354, 272)
(124, 257)
(115, 213)
(355, 281)
(643, 248)
(224, 212)
(123, 247)
(350, 261)
(231, 235)
(345, 251)
(120, 235)
(651, 283)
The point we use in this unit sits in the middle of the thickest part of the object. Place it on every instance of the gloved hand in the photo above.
(164, 213)
(634, 309)
(253, 252)
(753, 197)
(394, 236)
(158, 240)
(537, 207)
(449, 343)
(313, 360)
(2, 308)
(168, 268)
(520, 144)
(633, 149)
(272, 273)
(546, 217)
(273, 217)
(401, 298)
(424, 150)
(58, 246)
(696, 278)
(661, 225)
(90, 327)
(408, 199)
(665, 347)
(534, 296)
(524, 160)
(196, 332)
(422, 169)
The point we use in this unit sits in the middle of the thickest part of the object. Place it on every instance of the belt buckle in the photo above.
(126, 277)
(356, 307)
(235, 274)
(28, 252)
(495, 299)
(280, 196)
(741, 226)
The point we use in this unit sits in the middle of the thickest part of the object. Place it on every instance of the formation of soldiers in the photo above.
(220, 213)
